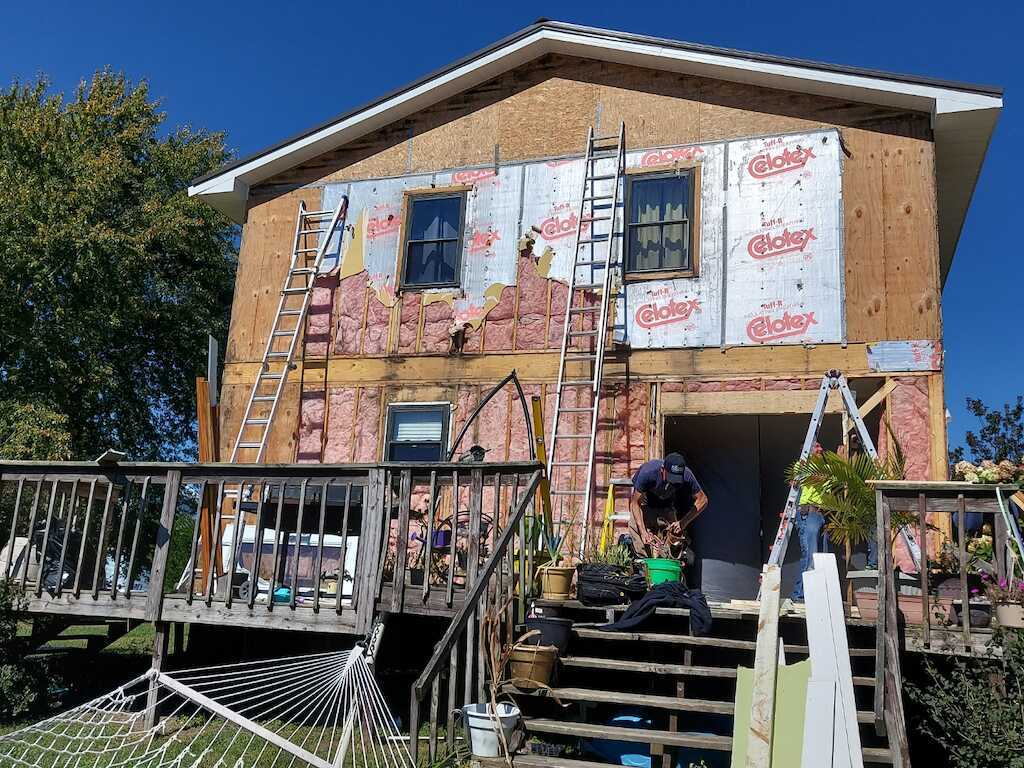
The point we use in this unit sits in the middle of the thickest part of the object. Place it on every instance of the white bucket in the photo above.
(481, 727)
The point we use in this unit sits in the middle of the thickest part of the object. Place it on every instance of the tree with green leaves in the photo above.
(110, 275)
(1001, 435)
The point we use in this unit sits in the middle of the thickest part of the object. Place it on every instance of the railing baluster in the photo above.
(453, 539)
(965, 602)
(435, 696)
(470, 651)
(401, 541)
(317, 571)
(257, 552)
(143, 505)
(120, 540)
(237, 539)
(385, 542)
(27, 555)
(46, 537)
(428, 545)
(77, 588)
(344, 550)
(69, 523)
(496, 525)
(101, 546)
(195, 543)
(453, 702)
(298, 543)
(481, 663)
(522, 570)
(214, 544)
(14, 527)
(922, 514)
(277, 546)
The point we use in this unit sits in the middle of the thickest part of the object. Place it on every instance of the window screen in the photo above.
(417, 433)
(660, 215)
(433, 240)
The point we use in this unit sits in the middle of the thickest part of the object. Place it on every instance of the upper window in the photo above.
(417, 432)
(433, 240)
(660, 223)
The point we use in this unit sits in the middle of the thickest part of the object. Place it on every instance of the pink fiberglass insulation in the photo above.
(556, 325)
(519, 450)
(783, 384)
(473, 336)
(437, 326)
(318, 323)
(531, 332)
(492, 426)
(341, 414)
(367, 440)
(500, 322)
(726, 385)
(350, 301)
(673, 386)
(311, 425)
(409, 322)
(375, 338)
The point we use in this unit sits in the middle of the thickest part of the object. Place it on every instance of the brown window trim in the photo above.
(407, 197)
(694, 168)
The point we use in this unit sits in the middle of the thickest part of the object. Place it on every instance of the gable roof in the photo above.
(963, 115)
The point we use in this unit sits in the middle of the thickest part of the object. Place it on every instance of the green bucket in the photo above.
(662, 569)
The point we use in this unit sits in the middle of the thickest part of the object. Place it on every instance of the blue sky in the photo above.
(262, 71)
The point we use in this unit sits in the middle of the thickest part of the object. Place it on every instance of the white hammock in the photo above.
(323, 710)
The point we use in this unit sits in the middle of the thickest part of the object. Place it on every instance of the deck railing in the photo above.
(307, 546)
(925, 615)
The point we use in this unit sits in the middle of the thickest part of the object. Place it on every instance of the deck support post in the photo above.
(161, 634)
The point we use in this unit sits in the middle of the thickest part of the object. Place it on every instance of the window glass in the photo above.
(433, 240)
(659, 223)
(417, 433)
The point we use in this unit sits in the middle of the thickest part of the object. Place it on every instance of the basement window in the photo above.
(660, 223)
(417, 432)
(433, 240)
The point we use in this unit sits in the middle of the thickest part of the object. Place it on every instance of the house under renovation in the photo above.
(669, 244)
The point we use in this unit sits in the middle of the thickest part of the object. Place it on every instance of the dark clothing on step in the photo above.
(669, 594)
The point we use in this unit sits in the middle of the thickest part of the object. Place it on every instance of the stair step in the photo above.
(656, 667)
(872, 756)
(680, 639)
(636, 735)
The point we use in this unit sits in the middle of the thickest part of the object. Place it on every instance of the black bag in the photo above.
(599, 584)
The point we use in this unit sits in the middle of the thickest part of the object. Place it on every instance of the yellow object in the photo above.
(606, 526)
(545, 483)
(809, 495)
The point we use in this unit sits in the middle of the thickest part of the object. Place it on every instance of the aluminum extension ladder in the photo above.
(312, 240)
(832, 380)
(585, 333)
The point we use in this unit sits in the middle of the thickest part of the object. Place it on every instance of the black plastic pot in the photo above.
(552, 632)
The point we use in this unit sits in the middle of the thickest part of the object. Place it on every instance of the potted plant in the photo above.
(846, 497)
(1007, 595)
(556, 577)
(608, 577)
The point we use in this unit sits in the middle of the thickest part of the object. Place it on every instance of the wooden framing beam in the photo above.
(754, 402)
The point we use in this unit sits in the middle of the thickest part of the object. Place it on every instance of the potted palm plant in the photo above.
(846, 496)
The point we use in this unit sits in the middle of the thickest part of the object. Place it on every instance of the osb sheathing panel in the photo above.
(281, 442)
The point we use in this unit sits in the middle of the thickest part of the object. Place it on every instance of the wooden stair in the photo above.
(680, 688)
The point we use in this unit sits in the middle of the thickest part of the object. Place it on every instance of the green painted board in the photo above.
(790, 705)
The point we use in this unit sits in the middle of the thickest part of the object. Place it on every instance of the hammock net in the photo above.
(322, 710)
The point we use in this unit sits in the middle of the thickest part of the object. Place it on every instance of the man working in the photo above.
(666, 499)
(810, 530)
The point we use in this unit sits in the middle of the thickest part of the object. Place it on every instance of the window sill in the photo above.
(664, 274)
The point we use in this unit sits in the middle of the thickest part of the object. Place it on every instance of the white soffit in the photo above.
(963, 116)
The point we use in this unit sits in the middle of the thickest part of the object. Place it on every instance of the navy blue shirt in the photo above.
(661, 510)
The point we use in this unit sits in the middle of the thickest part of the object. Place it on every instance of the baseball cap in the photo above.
(675, 466)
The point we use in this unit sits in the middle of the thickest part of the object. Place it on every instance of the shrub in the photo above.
(22, 682)
(972, 707)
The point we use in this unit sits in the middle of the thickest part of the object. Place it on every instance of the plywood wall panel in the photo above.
(911, 239)
(865, 237)
(550, 118)
(659, 109)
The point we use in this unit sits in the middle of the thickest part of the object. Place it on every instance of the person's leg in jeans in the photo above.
(810, 526)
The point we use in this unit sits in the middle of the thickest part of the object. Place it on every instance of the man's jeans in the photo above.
(810, 528)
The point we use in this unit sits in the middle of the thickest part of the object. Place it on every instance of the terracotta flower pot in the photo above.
(1010, 615)
(555, 582)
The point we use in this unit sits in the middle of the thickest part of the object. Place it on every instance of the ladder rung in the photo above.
(588, 286)
(592, 263)
(569, 493)
(583, 333)
(306, 250)
(578, 383)
(271, 376)
(599, 197)
(250, 445)
(609, 137)
(581, 310)
(581, 356)
(256, 422)
(310, 214)
(575, 410)
(572, 437)
(602, 177)
(569, 464)
(264, 398)
(311, 231)
(589, 240)
(285, 333)
(303, 271)
(596, 218)
(295, 290)
(278, 354)
(290, 312)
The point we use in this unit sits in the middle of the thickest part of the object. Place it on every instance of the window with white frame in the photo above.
(417, 432)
